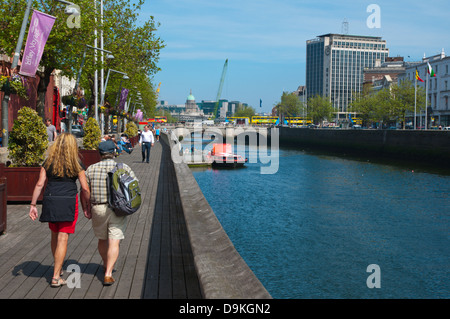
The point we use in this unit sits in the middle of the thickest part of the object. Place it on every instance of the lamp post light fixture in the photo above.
(125, 77)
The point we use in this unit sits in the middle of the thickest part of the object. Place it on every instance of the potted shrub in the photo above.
(28, 143)
(92, 135)
(132, 132)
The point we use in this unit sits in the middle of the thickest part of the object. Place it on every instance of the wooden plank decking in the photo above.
(155, 259)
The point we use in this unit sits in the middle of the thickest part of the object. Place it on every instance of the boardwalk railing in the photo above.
(221, 271)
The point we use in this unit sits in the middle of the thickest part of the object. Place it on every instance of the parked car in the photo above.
(447, 128)
(77, 130)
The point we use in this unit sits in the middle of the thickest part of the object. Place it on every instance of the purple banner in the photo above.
(139, 115)
(40, 27)
(123, 99)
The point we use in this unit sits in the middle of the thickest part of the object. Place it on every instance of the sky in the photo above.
(265, 41)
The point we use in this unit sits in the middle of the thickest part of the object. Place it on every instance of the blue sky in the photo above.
(265, 41)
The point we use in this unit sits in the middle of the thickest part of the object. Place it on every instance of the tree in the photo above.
(364, 105)
(135, 47)
(319, 109)
(290, 105)
(403, 99)
(390, 103)
(244, 111)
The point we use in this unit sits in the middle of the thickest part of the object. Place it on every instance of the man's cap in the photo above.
(107, 147)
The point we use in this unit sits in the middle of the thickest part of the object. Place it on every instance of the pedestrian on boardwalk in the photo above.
(61, 170)
(157, 133)
(146, 141)
(108, 228)
(51, 130)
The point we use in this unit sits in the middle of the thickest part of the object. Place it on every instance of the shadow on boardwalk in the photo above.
(155, 259)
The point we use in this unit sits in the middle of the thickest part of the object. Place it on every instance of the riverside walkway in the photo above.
(155, 259)
(174, 247)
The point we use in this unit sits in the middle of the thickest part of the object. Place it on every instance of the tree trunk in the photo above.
(42, 91)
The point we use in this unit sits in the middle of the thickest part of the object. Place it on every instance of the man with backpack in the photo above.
(108, 226)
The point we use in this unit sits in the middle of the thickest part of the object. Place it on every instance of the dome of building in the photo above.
(191, 97)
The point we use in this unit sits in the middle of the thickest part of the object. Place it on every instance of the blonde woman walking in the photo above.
(61, 170)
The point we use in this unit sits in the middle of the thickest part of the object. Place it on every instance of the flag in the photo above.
(123, 99)
(430, 70)
(418, 77)
(260, 103)
(40, 27)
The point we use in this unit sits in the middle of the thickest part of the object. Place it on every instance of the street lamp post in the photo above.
(125, 77)
(77, 83)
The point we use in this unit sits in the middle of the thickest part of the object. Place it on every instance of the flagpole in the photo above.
(415, 99)
(426, 99)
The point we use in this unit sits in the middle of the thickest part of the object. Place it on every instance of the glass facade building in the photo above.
(335, 65)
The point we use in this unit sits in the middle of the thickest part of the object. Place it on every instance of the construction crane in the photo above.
(219, 92)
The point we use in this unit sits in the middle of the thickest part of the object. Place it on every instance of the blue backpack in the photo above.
(124, 192)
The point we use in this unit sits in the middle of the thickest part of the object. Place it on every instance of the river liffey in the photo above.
(312, 229)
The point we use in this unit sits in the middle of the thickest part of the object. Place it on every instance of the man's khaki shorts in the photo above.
(106, 224)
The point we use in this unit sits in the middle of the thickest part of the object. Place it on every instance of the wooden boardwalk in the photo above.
(155, 260)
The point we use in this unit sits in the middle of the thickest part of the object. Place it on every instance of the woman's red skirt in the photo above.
(65, 227)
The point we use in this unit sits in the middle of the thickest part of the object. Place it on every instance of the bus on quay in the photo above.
(238, 120)
(298, 120)
(264, 120)
(160, 119)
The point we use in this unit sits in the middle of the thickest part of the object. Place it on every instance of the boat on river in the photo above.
(222, 156)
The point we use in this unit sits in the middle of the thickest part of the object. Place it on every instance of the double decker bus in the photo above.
(238, 120)
(264, 119)
(298, 120)
(356, 121)
(161, 119)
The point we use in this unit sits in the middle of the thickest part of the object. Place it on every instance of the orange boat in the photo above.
(222, 156)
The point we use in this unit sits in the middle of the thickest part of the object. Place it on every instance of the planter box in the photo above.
(134, 140)
(89, 157)
(20, 182)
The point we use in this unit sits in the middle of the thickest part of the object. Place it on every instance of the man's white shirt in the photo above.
(147, 137)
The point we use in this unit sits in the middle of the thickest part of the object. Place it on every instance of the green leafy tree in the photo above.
(390, 103)
(244, 111)
(290, 105)
(320, 109)
(28, 139)
(403, 100)
(134, 46)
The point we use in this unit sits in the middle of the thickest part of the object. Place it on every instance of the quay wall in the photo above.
(432, 146)
(222, 272)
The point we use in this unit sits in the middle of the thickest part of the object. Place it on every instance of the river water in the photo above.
(312, 229)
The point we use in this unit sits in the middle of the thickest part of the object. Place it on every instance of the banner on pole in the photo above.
(123, 98)
(40, 27)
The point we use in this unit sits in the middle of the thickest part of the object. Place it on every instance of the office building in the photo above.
(335, 65)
